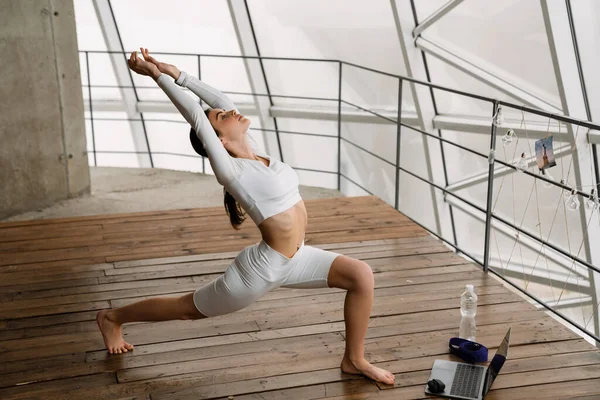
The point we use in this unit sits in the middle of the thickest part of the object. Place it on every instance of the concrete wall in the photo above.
(43, 154)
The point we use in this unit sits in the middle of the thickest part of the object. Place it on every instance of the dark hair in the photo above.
(232, 208)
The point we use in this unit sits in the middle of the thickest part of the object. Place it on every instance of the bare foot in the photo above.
(363, 367)
(111, 332)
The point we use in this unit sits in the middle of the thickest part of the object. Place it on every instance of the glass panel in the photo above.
(168, 137)
(113, 132)
(89, 34)
(361, 33)
(178, 163)
(379, 139)
(371, 173)
(303, 78)
(353, 31)
(470, 234)
(102, 78)
(374, 91)
(509, 37)
(229, 76)
(585, 15)
(182, 26)
(117, 160)
(313, 152)
(317, 179)
(451, 103)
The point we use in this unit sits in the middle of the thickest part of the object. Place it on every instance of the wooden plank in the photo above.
(546, 376)
(204, 232)
(96, 288)
(126, 218)
(407, 284)
(535, 326)
(57, 309)
(221, 222)
(51, 264)
(38, 364)
(224, 376)
(51, 243)
(23, 305)
(60, 319)
(57, 283)
(327, 375)
(176, 260)
(312, 392)
(54, 270)
(185, 248)
(493, 317)
(287, 293)
(521, 378)
(92, 341)
(76, 222)
(281, 298)
(53, 329)
(37, 256)
(54, 389)
(361, 388)
(389, 305)
(43, 255)
(365, 246)
(436, 342)
(552, 361)
(263, 352)
(218, 341)
(577, 389)
(9, 235)
(220, 265)
(25, 278)
(137, 368)
(327, 307)
(193, 269)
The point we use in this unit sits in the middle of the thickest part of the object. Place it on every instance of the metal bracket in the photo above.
(492, 156)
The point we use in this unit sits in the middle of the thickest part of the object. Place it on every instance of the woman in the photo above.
(267, 190)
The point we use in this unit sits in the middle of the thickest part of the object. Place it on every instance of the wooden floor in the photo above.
(56, 274)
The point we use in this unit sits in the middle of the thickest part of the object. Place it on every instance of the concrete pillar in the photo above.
(43, 155)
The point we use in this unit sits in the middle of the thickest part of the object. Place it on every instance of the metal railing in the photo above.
(486, 211)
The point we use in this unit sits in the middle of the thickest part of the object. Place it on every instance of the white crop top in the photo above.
(261, 191)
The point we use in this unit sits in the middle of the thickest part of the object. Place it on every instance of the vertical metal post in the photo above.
(200, 78)
(255, 51)
(490, 191)
(89, 81)
(585, 96)
(339, 125)
(398, 128)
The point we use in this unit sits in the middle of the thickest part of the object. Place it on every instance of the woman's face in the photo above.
(231, 125)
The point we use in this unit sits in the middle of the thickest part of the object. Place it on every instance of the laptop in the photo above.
(468, 381)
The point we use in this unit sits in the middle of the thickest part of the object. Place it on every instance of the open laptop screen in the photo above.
(497, 363)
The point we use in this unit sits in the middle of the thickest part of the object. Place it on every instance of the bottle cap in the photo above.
(470, 288)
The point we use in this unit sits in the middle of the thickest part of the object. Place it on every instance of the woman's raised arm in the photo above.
(210, 95)
(220, 160)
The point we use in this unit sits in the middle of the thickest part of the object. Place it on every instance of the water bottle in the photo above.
(468, 309)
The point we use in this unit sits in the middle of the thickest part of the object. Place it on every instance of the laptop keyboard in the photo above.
(467, 380)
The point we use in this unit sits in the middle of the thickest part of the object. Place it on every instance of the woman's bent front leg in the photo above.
(356, 277)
